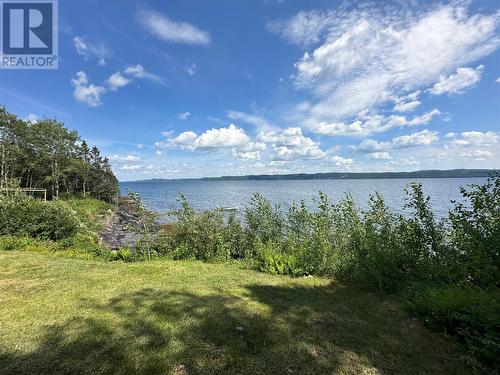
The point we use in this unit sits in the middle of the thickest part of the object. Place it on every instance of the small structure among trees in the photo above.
(46, 155)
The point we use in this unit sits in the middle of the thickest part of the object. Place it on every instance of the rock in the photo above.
(121, 228)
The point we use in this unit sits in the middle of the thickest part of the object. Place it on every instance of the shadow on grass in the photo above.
(268, 330)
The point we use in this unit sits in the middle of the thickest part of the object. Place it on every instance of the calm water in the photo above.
(161, 195)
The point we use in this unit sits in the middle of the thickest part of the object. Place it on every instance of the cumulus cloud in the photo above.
(457, 82)
(86, 92)
(291, 144)
(231, 137)
(344, 163)
(90, 94)
(90, 50)
(117, 80)
(475, 138)
(367, 56)
(171, 31)
(379, 155)
(476, 154)
(283, 145)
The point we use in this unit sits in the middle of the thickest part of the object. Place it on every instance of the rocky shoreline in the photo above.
(121, 228)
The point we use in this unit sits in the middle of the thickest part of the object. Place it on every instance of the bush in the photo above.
(271, 260)
(476, 233)
(469, 312)
(264, 222)
(195, 236)
(11, 243)
(21, 215)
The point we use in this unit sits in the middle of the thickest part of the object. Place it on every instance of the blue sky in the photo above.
(195, 88)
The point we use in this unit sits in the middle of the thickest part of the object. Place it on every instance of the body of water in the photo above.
(161, 195)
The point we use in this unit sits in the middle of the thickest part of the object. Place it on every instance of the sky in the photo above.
(176, 89)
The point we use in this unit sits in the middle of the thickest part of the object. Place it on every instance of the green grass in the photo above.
(67, 316)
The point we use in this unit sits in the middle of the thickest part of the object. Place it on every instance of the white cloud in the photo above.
(365, 125)
(117, 80)
(405, 161)
(259, 122)
(291, 144)
(379, 156)
(407, 103)
(285, 145)
(91, 94)
(247, 155)
(475, 138)
(422, 138)
(228, 138)
(424, 118)
(498, 80)
(124, 158)
(170, 31)
(138, 71)
(31, 118)
(220, 138)
(131, 167)
(85, 92)
(456, 83)
(183, 115)
(303, 29)
(476, 154)
(185, 140)
(406, 106)
(344, 163)
(89, 50)
(369, 56)
(232, 136)
(191, 69)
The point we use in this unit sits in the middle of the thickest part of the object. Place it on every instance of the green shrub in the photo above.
(271, 260)
(89, 211)
(10, 243)
(264, 222)
(123, 254)
(196, 236)
(235, 238)
(469, 312)
(476, 233)
(21, 215)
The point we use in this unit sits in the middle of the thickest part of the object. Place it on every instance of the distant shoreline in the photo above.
(432, 173)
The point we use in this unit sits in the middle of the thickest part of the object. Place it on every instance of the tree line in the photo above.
(45, 154)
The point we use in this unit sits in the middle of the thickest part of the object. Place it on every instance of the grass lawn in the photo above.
(70, 316)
